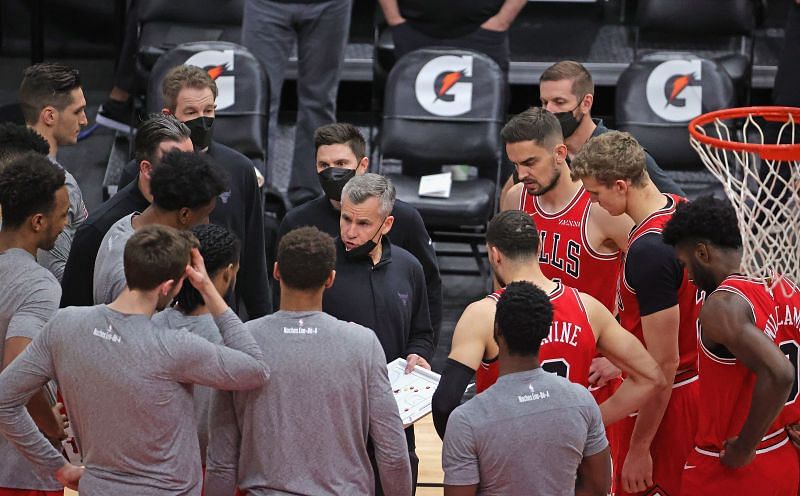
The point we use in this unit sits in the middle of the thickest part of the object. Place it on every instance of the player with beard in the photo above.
(35, 202)
(740, 447)
(220, 251)
(581, 244)
(581, 325)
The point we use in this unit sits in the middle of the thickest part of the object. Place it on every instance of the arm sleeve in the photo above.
(420, 340)
(654, 273)
(663, 182)
(252, 284)
(459, 456)
(455, 379)
(77, 280)
(596, 440)
(23, 378)
(222, 457)
(386, 428)
(29, 320)
(421, 246)
(237, 365)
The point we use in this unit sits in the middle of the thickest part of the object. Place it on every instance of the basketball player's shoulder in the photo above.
(511, 200)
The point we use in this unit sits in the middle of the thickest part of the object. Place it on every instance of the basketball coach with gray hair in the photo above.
(379, 285)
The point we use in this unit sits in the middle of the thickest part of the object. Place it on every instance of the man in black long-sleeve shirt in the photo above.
(155, 137)
(189, 94)
(341, 155)
(378, 285)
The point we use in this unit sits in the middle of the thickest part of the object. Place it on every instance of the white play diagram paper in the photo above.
(436, 185)
(413, 392)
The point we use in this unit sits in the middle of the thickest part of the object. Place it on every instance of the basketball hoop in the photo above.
(760, 173)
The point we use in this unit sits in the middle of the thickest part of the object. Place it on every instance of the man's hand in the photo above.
(396, 21)
(601, 371)
(196, 272)
(69, 475)
(733, 455)
(61, 421)
(794, 430)
(413, 360)
(494, 23)
(637, 472)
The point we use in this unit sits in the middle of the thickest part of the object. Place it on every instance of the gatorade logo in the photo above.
(674, 92)
(442, 87)
(217, 63)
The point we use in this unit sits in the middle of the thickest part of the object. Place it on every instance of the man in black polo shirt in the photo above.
(473, 24)
(341, 155)
(378, 285)
(190, 95)
(154, 138)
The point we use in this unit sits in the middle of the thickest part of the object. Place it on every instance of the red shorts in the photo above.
(28, 492)
(600, 395)
(671, 445)
(774, 473)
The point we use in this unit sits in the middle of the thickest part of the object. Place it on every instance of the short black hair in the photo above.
(523, 317)
(514, 234)
(219, 248)
(186, 180)
(46, 84)
(154, 131)
(341, 133)
(28, 186)
(306, 257)
(15, 140)
(704, 219)
(535, 124)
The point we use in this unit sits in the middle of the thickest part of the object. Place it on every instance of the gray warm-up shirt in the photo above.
(203, 326)
(29, 297)
(307, 431)
(109, 271)
(527, 434)
(56, 259)
(125, 383)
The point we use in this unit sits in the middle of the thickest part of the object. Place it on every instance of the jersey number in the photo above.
(557, 366)
(792, 352)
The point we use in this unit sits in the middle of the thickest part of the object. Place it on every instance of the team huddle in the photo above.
(621, 350)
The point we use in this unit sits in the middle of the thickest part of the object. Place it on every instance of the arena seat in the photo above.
(165, 24)
(721, 30)
(442, 107)
(660, 93)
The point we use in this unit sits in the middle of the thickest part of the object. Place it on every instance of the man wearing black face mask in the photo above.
(340, 156)
(566, 89)
(378, 285)
(189, 94)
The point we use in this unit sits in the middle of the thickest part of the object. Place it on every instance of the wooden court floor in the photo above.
(429, 450)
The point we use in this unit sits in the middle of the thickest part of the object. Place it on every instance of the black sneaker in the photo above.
(115, 115)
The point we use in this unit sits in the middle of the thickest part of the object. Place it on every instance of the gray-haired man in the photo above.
(379, 285)
(155, 137)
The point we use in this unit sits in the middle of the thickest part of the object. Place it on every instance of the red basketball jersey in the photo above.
(787, 337)
(726, 385)
(568, 348)
(688, 297)
(566, 253)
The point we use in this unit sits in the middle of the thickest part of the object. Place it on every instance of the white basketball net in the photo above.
(765, 194)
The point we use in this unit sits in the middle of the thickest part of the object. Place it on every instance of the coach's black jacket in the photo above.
(242, 211)
(408, 232)
(389, 298)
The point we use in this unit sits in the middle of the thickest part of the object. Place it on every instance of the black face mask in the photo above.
(569, 123)
(362, 251)
(333, 180)
(202, 128)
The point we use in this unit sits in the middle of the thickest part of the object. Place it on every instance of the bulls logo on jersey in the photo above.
(571, 263)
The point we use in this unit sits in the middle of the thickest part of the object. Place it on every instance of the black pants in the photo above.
(413, 458)
(125, 73)
(492, 43)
